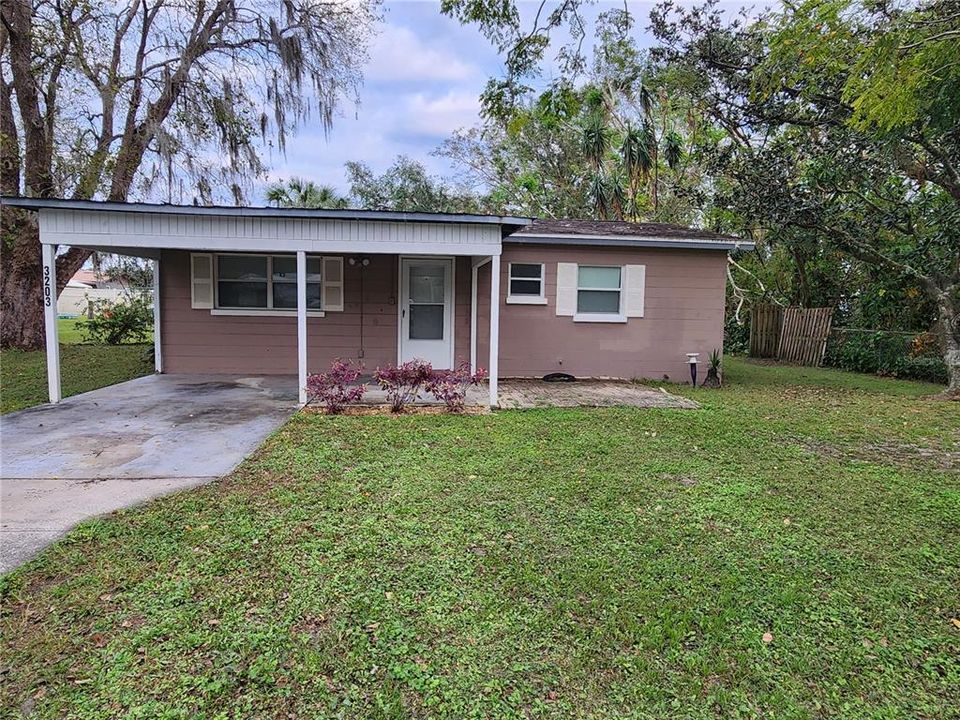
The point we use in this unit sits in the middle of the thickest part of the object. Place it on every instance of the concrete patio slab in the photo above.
(525, 394)
(124, 444)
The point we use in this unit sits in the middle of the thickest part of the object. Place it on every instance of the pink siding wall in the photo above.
(683, 312)
(194, 341)
(684, 307)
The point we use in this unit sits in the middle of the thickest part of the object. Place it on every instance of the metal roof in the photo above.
(225, 210)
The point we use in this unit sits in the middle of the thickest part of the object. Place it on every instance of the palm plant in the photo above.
(300, 193)
(600, 194)
(673, 149)
(636, 157)
(595, 141)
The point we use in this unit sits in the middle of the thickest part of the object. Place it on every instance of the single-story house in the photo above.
(86, 287)
(253, 290)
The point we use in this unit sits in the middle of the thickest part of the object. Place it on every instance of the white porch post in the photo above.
(302, 326)
(474, 271)
(50, 321)
(157, 345)
(494, 327)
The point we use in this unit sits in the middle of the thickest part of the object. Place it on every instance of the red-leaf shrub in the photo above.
(450, 386)
(336, 389)
(403, 384)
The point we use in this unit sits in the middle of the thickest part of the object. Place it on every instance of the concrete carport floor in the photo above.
(124, 444)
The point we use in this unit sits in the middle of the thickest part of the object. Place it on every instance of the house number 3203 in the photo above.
(47, 289)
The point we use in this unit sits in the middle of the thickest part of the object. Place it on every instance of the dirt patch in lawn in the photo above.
(891, 453)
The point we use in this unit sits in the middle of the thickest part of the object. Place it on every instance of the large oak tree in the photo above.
(154, 98)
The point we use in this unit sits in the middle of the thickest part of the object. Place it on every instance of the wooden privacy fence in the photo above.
(793, 334)
(765, 324)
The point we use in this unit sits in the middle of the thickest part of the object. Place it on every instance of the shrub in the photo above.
(336, 389)
(899, 355)
(736, 336)
(117, 322)
(403, 383)
(450, 386)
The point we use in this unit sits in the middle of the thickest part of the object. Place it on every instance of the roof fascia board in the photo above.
(266, 245)
(631, 241)
(319, 214)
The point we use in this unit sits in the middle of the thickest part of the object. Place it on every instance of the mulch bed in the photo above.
(361, 410)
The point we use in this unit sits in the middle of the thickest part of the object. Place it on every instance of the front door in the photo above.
(426, 311)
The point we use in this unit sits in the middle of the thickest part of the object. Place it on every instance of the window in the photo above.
(525, 284)
(598, 290)
(266, 282)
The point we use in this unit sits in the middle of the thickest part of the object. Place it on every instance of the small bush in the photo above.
(336, 389)
(403, 383)
(117, 322)
(736, 336)
(450, 386)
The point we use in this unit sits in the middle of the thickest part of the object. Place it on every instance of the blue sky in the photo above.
(423, 81)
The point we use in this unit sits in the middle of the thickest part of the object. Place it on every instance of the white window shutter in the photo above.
(332, 277)
(201, 281)
(567, 289)
(635, 280)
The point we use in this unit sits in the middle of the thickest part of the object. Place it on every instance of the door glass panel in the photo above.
(426, 284)
(426, 322)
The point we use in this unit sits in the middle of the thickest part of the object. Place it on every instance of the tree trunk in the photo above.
(950, 334)
(21, 289)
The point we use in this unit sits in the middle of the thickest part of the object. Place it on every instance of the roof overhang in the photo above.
(143, 228)
(631, 241)
(262, 212)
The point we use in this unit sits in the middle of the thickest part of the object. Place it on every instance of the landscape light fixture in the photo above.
(693, 359)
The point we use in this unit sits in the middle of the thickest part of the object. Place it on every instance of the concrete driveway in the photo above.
(124, 444)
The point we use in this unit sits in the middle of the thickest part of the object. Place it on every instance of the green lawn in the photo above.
(606, 563)
(70, 333)
(23, 375)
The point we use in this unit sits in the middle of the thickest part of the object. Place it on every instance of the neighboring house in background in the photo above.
(84, 287)
(282, 291)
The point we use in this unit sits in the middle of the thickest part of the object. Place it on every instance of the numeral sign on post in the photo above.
(47, 289)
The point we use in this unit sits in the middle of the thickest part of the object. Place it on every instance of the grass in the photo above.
(70, 332)
(606, 563)
(23, 374)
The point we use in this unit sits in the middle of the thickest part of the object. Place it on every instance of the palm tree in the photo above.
(300, 193)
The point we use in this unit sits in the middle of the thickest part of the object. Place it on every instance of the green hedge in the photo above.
(901, 355)
(736, 337)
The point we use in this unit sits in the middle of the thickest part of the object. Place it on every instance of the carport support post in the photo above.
(475, 265)
(494, 327)
(302, 326)
(157, 345)
(49, 253)
(474, 272)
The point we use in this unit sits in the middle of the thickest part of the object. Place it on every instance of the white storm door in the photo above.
(426, 311)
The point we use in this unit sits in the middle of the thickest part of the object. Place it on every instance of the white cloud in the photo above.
(440, 115)
(399, 55)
